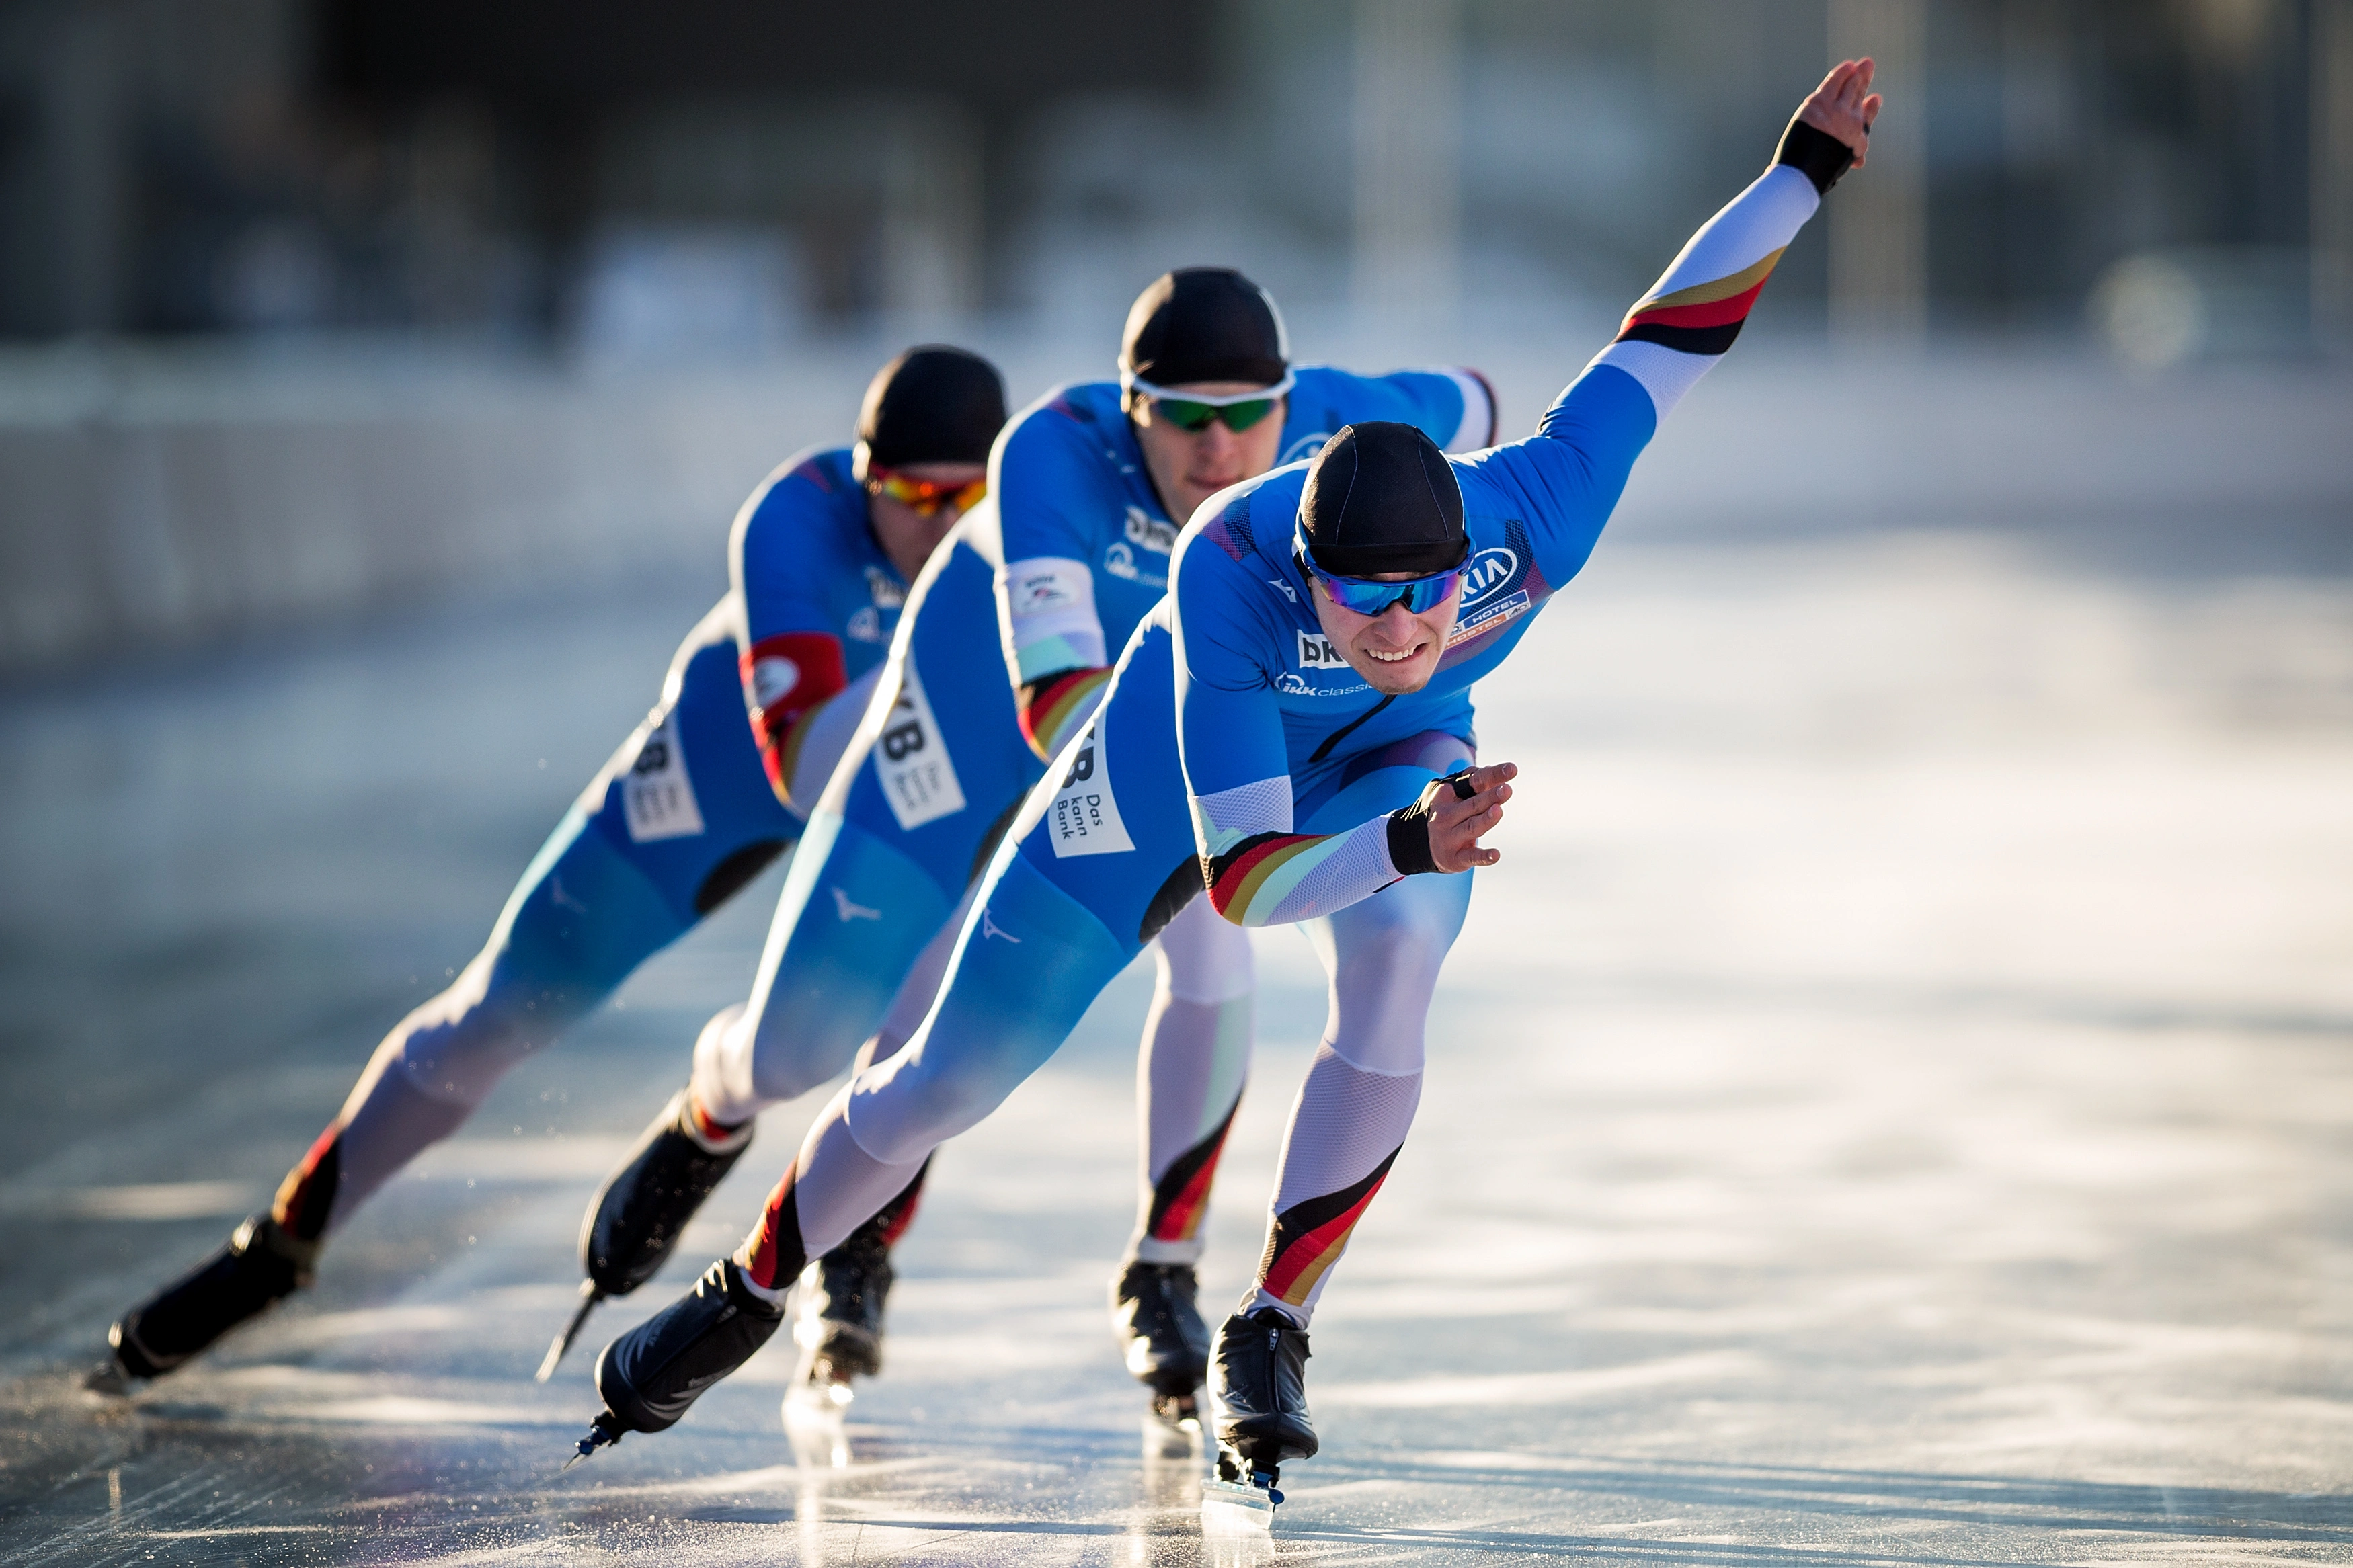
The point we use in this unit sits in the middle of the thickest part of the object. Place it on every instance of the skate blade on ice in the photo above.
(589, 1297)
(1236, 1509)
(1172, 1429)
(108, 1378)
(1170, 1442)
(816, 1423)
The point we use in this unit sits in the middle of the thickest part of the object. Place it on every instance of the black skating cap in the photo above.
(1381, 496)
(1204, 324)
(932, 405)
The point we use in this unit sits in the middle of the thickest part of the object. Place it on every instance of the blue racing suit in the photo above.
(677, 821)
(1241, 754)
(941, 760)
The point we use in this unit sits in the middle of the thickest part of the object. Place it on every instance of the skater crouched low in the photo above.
(1290, 734)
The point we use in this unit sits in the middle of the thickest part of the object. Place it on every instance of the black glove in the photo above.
(1817, 155)
(1409, 827)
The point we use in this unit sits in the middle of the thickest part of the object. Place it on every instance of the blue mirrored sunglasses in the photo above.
(1364, 596)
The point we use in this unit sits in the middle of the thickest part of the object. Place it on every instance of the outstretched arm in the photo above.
(1566, 478)
(1676, 331)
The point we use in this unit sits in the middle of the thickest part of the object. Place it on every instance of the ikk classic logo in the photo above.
(1129, 558)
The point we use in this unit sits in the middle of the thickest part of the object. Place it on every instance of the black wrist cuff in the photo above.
(1817, 155)
(1409, 825)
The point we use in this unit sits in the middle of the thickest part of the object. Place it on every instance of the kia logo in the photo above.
(1489, 570)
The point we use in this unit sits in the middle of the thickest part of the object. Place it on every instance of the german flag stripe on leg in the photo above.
(1308, 1237)
(772, 1255)
(1181, 1197)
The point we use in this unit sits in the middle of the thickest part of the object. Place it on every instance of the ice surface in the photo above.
(1889, 1106)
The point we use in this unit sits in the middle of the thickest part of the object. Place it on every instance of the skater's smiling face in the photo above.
(1396, 651)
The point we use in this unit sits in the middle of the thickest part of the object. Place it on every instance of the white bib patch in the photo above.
(1316, 652)
(656, 796)
(1085, 815)
(911, 757)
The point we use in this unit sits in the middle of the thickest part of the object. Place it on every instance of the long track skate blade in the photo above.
(603, 1433)
(1165, 1440)
(816, 1423)
(589, 1297)
(1232, 1507)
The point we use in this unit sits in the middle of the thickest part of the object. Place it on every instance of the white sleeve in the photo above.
(1477, 431)
(1046, 617)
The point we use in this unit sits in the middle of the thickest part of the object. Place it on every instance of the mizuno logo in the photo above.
(850, 912)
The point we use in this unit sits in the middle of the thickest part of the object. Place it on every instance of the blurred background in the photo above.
(1906, 1035)
(310, 304)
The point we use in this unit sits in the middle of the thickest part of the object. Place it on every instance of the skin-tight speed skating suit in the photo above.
(941, 760)
(690, 809)
(1237, 749)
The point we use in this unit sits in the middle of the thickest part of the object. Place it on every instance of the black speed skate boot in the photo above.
(635, 1219)
(838, 1320)
(652, 1375)
(839, 1324)
(261, 1265)
(1261, 1394)
(1162, 1335)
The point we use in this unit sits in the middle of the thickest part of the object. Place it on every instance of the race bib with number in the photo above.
(911, 757)
(657, 795)
(1085, 816)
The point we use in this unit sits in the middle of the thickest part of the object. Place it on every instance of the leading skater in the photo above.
(692, 807)
(1069, 553)
(1291, 731)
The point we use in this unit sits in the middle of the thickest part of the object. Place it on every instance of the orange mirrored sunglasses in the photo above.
(925, 497)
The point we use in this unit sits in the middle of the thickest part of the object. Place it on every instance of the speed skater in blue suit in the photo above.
(691, 806)
(1287, 739)
(1001, 653)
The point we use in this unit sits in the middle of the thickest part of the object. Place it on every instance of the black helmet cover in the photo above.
(1380, 497)
(1204, 324)
(931, 405)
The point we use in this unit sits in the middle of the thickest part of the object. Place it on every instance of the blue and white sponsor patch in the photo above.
(1491, 618)
(1084, 819)
(911, 762)
(657, 795)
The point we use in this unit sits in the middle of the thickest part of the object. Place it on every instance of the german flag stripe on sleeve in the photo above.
(1692, 315)
(1058, 705)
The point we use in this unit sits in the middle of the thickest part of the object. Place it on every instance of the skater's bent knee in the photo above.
(1203, 957)
(900, 1115)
